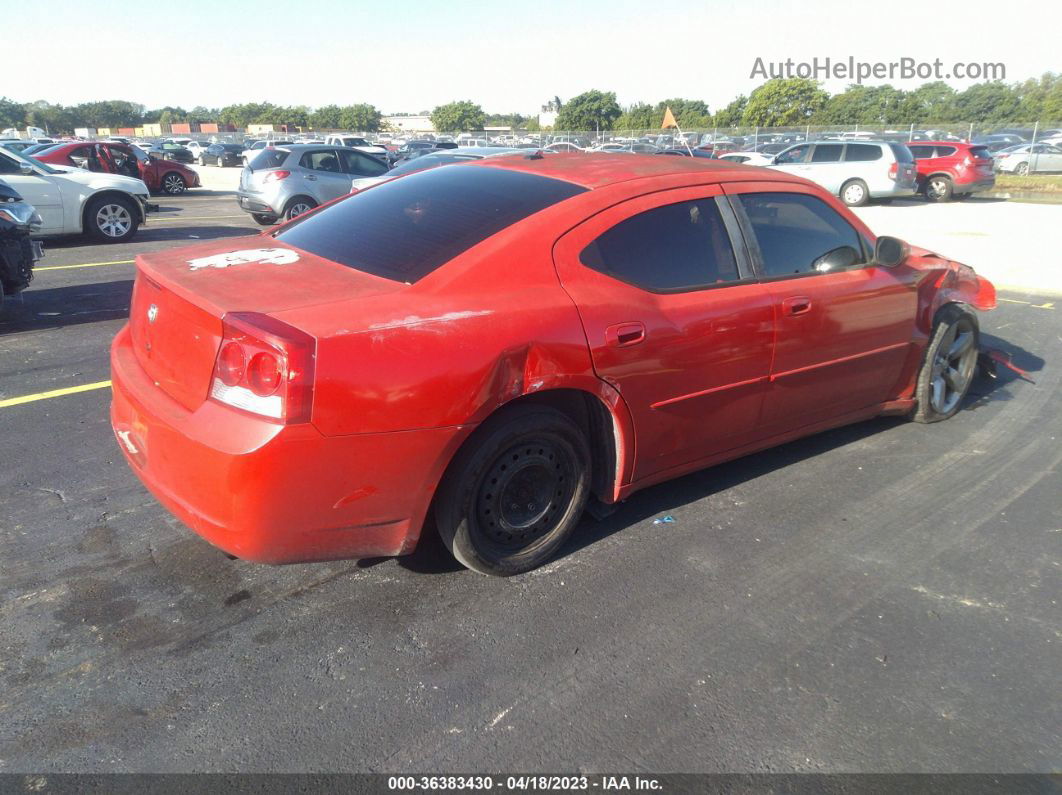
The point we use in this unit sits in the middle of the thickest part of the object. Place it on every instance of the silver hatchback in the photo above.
(286, 181)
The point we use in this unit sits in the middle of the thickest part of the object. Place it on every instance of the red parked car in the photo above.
(947, 169)
(500, 341)
(161, 176)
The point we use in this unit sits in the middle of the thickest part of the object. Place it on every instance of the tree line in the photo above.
(776, 103)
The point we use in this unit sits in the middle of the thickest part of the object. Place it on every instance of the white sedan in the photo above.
(1029, 158)
(108, 207)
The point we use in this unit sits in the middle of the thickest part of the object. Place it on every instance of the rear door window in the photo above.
(796, 233)
(360, 165)
(901, 152)
(322, 160)
(827, 153)
(406, 228)
(675, 248)
(921, 152)
(861, 153)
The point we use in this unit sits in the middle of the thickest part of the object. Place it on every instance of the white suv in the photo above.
(108, 207)
(856, 171)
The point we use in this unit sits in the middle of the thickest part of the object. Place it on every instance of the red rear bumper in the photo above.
(272, 493)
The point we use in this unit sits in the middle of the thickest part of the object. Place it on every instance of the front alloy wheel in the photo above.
(173, 184)
(114, 220)
(949, 366)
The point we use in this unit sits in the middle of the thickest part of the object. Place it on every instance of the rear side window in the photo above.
(861, 153)
(361, 165)
(980, 152)
(678, 247)
(902, 153)
(406, 228)
(797, 232)
(827, 153)
(945, 151)
(269, 158)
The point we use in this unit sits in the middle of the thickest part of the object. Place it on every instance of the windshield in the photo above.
(406, 228)
(14, 158)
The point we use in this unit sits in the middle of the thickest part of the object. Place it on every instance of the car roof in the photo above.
(601, 170)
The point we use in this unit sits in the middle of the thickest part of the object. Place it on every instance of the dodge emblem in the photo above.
(153, 312)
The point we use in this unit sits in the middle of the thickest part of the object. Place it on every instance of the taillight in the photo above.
(893, 170)
(276, 176)
(264, 367)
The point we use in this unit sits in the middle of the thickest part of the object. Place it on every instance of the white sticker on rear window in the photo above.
(267, 256)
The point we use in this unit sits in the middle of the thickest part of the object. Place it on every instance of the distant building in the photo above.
(547, 116)
(410, 123)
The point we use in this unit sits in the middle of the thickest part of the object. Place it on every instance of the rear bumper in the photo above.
(254, 204)
(976, 184)
(271, 493)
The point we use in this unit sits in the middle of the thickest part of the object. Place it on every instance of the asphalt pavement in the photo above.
(880, 598)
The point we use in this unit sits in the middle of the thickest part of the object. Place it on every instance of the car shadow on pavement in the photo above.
(57, 307)
(432, 557)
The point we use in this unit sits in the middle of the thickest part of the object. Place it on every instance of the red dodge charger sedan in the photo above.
(499, 342)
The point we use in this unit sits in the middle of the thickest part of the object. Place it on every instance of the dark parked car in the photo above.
(416, 148)
(222, 155)
(171, 151)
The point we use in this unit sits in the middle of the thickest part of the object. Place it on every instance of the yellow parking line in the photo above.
(1010, 300)
(70, 390)
(84, 265)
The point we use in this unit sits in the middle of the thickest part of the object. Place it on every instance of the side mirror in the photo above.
(890, 251)
(837, 259)
(25, 169)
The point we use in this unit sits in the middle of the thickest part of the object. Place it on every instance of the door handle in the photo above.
(310, 177)
(796, 305)
(623, 335)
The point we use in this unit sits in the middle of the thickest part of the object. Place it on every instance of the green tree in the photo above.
(930, 102)
(360, 118)
(532, 125)
(639, 116)
(689, 113)
(461, 116)
(985, 102)
(864, 104)
(326, 117)
(783, 102)
(12, 114)
(730, 116)
(591, 110)
(513, 120)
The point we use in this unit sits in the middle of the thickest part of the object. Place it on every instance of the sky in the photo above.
(413, 55)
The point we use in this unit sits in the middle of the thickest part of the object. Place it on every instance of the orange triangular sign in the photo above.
(669, 119)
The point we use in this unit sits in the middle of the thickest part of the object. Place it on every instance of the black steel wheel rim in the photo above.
(525, 494)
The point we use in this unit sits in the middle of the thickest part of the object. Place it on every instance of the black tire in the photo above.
(1022, 170)
(949, 366)
(530, 453)
(173, 183)
(855, 193)
(263, 220)
(939, 188)
(297, 206)
(111, 219)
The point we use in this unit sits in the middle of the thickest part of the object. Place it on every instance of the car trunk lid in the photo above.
(180, 297)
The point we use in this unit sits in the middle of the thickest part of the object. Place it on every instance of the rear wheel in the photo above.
(263, 220)
(202, 160)
(111, 219)
(1022, 170)
(515, 492)
(298, 206)
(939, 188)
(949, 366)
(173, 183)
(221, 162)
(854, 193)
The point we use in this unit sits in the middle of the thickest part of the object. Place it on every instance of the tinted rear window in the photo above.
(903, 154)
(980, 152)
(428, 161)
(858, 153)
(269, 158)
(406, 228)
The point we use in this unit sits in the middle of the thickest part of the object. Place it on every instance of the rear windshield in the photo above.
(406, 228)
(903, 154)
(980, 152)
(428, 161)
(269, 158)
